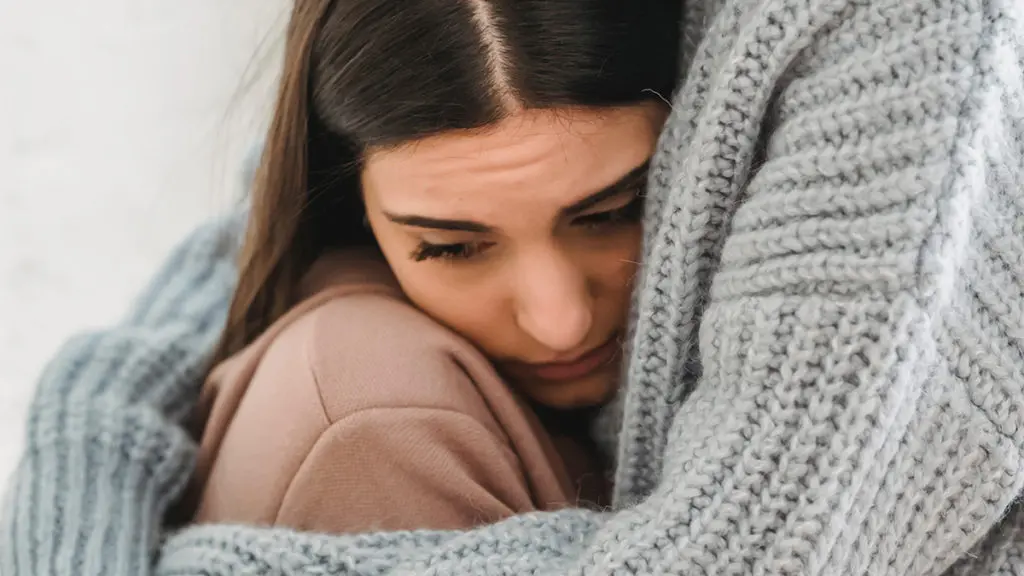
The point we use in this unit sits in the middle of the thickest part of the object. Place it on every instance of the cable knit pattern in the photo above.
(826, 368)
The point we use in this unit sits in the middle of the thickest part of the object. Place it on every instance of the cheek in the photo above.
(467, 303)
(473, 309)
(616, 262)
(613, 269)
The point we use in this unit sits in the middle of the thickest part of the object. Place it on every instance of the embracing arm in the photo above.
(106, 452)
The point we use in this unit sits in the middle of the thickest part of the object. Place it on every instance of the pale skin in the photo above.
(523, 237)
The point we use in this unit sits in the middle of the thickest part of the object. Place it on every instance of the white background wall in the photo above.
(122, 124)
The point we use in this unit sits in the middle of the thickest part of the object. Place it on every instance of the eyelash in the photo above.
(627, 214)
(459, 251)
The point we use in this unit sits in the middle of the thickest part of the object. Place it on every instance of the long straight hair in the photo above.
(381, 73)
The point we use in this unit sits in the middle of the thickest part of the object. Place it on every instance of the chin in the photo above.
(594, 390)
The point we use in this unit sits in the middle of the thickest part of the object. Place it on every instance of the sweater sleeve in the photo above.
(105, 451)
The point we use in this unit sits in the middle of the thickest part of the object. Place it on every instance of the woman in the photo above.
(502, 201)
(823, 377)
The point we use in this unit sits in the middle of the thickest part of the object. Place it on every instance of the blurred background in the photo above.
(123, 123)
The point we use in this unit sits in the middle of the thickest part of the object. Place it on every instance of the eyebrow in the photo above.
(620, 186)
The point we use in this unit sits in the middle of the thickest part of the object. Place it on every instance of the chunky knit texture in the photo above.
(826, 372)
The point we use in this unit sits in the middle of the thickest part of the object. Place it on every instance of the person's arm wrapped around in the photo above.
(106, 450)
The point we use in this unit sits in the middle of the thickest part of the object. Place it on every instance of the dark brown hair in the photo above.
(379, 73)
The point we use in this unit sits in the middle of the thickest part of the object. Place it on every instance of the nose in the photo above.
(553, 303)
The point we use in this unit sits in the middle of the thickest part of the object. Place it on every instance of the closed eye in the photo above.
(453, 251)
(628, 214)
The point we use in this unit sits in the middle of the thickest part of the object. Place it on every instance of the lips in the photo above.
(579, 367)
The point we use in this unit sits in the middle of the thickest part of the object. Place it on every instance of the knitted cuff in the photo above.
(90, 491)
(159, 367)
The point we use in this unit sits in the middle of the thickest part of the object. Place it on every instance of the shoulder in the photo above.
(371, 351)
(405, 469)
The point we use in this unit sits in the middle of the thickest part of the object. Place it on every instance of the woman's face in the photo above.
(524, 238)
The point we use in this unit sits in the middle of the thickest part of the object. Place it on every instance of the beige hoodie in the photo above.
(357, 412)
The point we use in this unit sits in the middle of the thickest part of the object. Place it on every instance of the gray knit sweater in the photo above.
(826, 372)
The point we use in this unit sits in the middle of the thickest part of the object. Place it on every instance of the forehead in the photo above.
(534, 161)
